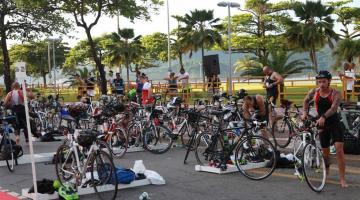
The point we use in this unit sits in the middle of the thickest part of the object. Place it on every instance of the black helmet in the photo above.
(323, 74)
(242, 93)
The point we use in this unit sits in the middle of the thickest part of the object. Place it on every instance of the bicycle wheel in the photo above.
(119, 143)
(203, 153)
(282, 133)
(65, 164)
(255, 157)
(157, 139)
(10, 158)
(314, 167)
(103, 175)
(134, 135)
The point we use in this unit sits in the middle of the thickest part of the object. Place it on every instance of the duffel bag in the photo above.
(351, 144)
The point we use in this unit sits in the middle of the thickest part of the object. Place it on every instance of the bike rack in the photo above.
(230, 168)
(90, 190)
(25, 159)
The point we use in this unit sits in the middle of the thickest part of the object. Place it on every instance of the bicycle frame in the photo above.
(80, 171)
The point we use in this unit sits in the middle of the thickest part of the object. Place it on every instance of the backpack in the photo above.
(124, 176)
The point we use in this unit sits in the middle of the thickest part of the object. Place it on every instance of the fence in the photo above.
(294, 89)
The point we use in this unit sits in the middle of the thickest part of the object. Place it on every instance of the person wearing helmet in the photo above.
(326, 101)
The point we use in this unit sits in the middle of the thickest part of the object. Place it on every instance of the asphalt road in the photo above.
(183, 182)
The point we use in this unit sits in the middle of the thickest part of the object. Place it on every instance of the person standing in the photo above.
(172, 85)
(348, 78)
(327, 101)
(118, 85)
(146, 92)
(15, 101)
(90, 86)
(139, 86)
(183, 76)
(110, 79)
(271, 82)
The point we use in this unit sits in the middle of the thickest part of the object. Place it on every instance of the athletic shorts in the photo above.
(332, 133)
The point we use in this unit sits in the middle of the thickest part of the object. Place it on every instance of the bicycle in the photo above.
(254, 154)
(309, 161)
(82, 156)
(9, 151)
(283, 129)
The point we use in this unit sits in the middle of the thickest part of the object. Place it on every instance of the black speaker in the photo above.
(211, 65)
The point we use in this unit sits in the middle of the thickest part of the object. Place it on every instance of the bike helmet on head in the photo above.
(324, 74)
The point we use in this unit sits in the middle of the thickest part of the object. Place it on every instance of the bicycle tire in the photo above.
(307, 159)
(151, 134)
(134, 134)
(120, 152)
(10, 162)
(286, 135)
(202, 142)
(109, 182)
(62, 153)
(257, 161)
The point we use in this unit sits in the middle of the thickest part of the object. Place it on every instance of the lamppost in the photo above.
(229, 5)
(168, 24)
(53, 40)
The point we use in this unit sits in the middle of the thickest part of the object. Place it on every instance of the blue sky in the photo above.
(159, 22)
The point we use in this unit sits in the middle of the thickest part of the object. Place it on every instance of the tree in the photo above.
(128, 8)
(156, 45)
(313, 30)
(280, 61)
(35, 54)
(200, 31)
(26, 20)
(349, 18)
(259, 27)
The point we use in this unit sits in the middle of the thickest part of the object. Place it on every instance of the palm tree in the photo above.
(313, 30)
(124, 48)
(201, 31)
(280, 61)
(347, 49)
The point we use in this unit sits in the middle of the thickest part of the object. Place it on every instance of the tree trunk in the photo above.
(97, 60)
(181, 60)
(314, 59)
(6, 58)
(44, 78)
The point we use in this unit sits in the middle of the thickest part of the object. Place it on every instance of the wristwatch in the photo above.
(323, 115)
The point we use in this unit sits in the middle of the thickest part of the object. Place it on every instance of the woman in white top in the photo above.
(348, 77)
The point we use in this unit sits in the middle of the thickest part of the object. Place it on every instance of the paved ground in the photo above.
(182, 182)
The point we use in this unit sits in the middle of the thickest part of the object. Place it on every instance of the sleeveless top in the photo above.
(323, 104)
(173, 84)
(271, 91)
(17, 97)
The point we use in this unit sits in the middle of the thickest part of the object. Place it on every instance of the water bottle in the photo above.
(356, 121)
(144, 196)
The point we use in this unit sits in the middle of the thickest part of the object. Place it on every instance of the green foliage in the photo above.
(35, 54)
(259, 27)
(156, 46)
(313, 30)
(199, 30)
(346, 49)
(280, 61)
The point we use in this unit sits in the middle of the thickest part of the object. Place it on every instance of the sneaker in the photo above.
(332, 150)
